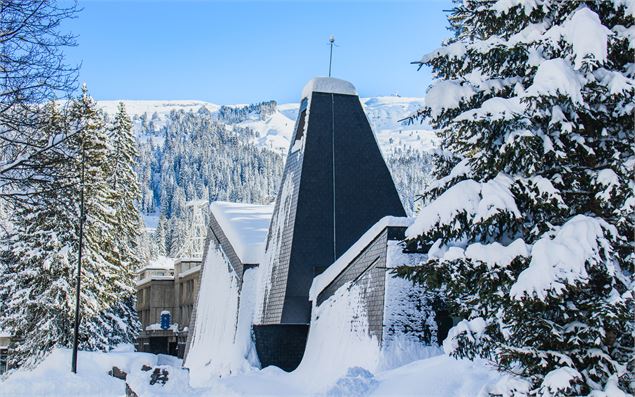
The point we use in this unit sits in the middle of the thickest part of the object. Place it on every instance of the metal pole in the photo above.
(331, 41)
(79, 264)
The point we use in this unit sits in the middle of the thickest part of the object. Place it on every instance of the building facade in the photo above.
(168, 288)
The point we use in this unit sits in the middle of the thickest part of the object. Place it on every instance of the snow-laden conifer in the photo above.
(127, 221)
(529, 227)
(39, 260)
(40, 253)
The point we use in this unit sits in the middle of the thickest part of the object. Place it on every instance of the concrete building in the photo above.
(166, 286)
(337, 223)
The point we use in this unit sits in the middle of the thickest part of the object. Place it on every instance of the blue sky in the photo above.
(248, 51)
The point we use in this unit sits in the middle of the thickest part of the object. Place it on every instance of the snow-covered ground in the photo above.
(438, 376)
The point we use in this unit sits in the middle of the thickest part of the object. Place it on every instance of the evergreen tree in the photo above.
(127, 220)
(40, 261)
(107, 290)
(529, 227)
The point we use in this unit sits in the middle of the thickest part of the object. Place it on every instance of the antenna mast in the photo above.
(332, 43)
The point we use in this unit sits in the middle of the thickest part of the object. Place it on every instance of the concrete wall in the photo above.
(153, 297)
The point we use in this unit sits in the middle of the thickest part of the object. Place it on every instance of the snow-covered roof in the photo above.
(329, 85)
(161, 262)
(246, 227)
(323, 280)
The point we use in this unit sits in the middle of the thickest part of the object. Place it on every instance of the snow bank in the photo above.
(324, 279)
(328, 85)
(440, 376)
(434, 377)
(54, 378)
(245, 226)
(177, 383)
(340, 345)
(338, 339)
(221, 341)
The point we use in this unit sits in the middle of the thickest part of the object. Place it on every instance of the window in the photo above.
(299, 131)
(4, 358)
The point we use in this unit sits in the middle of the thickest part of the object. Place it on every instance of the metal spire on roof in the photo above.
(332, 43)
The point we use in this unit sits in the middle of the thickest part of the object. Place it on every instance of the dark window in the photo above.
(3, 360)
(299, 133)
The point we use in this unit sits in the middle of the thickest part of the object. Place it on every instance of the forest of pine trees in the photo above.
(529, 226)
(205, 156)
(40, 251)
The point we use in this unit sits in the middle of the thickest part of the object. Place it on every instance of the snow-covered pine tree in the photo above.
(108, 316)
(127, 225)
(40, 257)
(529, 227)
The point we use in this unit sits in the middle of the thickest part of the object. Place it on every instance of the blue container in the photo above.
(165, 320)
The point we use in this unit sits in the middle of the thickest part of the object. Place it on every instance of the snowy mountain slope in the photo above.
(137, 108)
(274, 130)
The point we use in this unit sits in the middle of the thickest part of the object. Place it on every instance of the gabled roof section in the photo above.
(245, 226)
(323, 280)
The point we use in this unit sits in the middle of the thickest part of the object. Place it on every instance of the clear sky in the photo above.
(248, 51)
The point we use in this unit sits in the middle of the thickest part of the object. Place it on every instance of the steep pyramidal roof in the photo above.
(335, 186)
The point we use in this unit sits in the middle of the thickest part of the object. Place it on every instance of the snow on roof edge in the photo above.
(245, 226)
(328, 85)
(323, 280)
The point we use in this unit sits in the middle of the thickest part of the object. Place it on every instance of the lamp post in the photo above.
(79, 263)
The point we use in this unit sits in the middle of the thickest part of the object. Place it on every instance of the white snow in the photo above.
(53, 376)
(446, 94)
(157, 327)
(464, 196)
(554, 77)
(495, 109)
(561, 259)
(273, 131)
(245, 226)
(338, 339)
(438, 376)
(221, 340)
(496, 254)
(161, 262)
(472, 329)
(558, 381)
(405, 308)
(609, 180)
(503, 6)
(161, 107)
(328, 85)
(324, 279)
(586, 35)
(479, 201)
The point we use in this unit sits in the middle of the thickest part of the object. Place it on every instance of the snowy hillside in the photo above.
(195, 150)
(274, 130)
